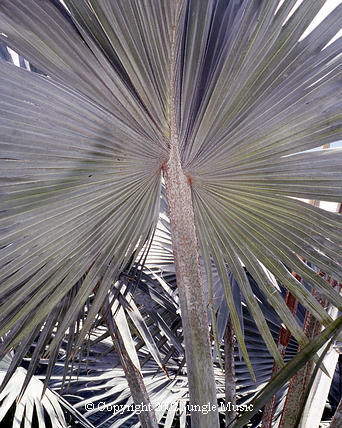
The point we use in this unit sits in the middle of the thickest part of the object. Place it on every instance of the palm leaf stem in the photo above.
(317, 391)
(147, 418)
(299, 382)
(297, 387)
(282, 343)
(230, 377)
(289, 370)
(134, 379)
(188, 269)
(191, 291)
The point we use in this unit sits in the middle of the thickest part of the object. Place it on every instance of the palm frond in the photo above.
(30, 403)
(84, 143)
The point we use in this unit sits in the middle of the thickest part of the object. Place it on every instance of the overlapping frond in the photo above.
(264, 95)
(46, 35)
(83, 145)
(31, 405)
(70, 176)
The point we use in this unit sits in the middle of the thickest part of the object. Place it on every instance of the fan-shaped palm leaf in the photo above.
(30, 402)
(220, 96)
